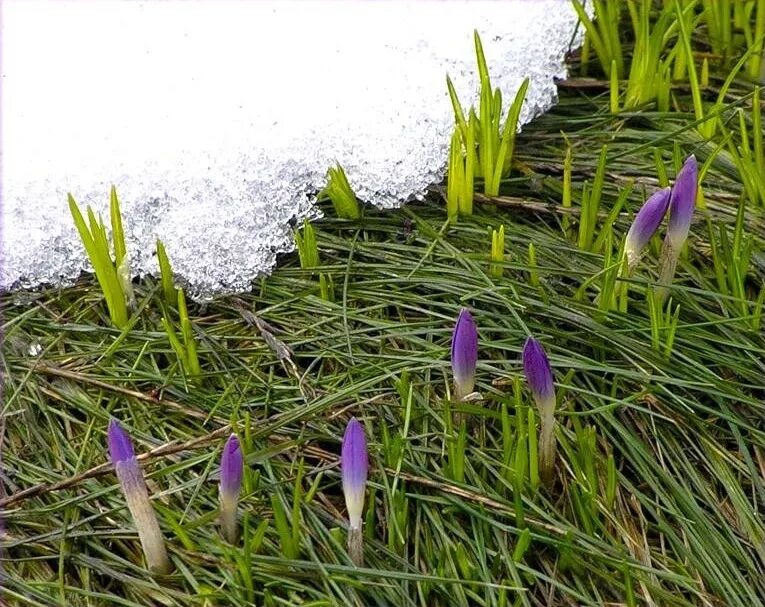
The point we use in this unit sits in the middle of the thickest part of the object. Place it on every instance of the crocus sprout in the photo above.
(645, 225)
(539, 377)
(681, 206)
(137, 497)
(354, 463)
(231, 472)
(464, 354)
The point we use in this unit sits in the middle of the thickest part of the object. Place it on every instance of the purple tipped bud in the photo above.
(682, 203)
(539, 375)
(231, 473)
(464, 354)
(354, 463)
(231, 467)
(137, 497)
(540, 379)
(681, 206)
(120, 446)
(645, 225)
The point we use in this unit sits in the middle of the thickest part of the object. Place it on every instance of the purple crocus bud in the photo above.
(645, 225)
(539, 376)
(354, 462)
(682, 203)
(464, 354)
(137, 497)
(231, 473)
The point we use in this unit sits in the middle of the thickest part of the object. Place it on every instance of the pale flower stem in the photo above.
(547, 449)
(667, 267)
(356, 546)
(149, 533)
(228, 522)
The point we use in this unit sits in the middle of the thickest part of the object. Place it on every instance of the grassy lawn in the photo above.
(659, 485)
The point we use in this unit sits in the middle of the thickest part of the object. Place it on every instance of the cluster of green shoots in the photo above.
(115, 279)
(113, 275)
(482, 143)
(662, 49)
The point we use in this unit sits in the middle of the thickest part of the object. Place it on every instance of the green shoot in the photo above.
(590, 204)
(166, 275)
(455, 176)
(504, 154)
(308, 251)
(614, 89)
(326, 287)
(466, 199)
(459, 114)
(111, 275)
(663, 323)
(566, 201)
(339, 191)
(459, 190)
(185, 347)
(497, 251)
(118, 234)
(533, 272)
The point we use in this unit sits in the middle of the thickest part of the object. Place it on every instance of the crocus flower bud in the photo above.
(539, 377)
(681, 205)
(231, 473)
(137, 497)
(354, 463)
(645, 225)
(464, 354)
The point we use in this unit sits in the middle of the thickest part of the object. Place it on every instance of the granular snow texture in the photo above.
(217, 121)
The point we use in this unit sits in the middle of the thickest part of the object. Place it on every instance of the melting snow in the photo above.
(218, 120)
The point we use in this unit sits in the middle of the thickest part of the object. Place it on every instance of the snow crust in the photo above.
(217, 120)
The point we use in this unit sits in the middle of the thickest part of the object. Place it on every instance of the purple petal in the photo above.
(682, 202)
(120, 446)
(464, 353)
(354, 462)
(646, 223)
(231, 467)
(537, 369)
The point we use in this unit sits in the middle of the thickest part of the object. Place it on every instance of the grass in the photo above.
(660, 479)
